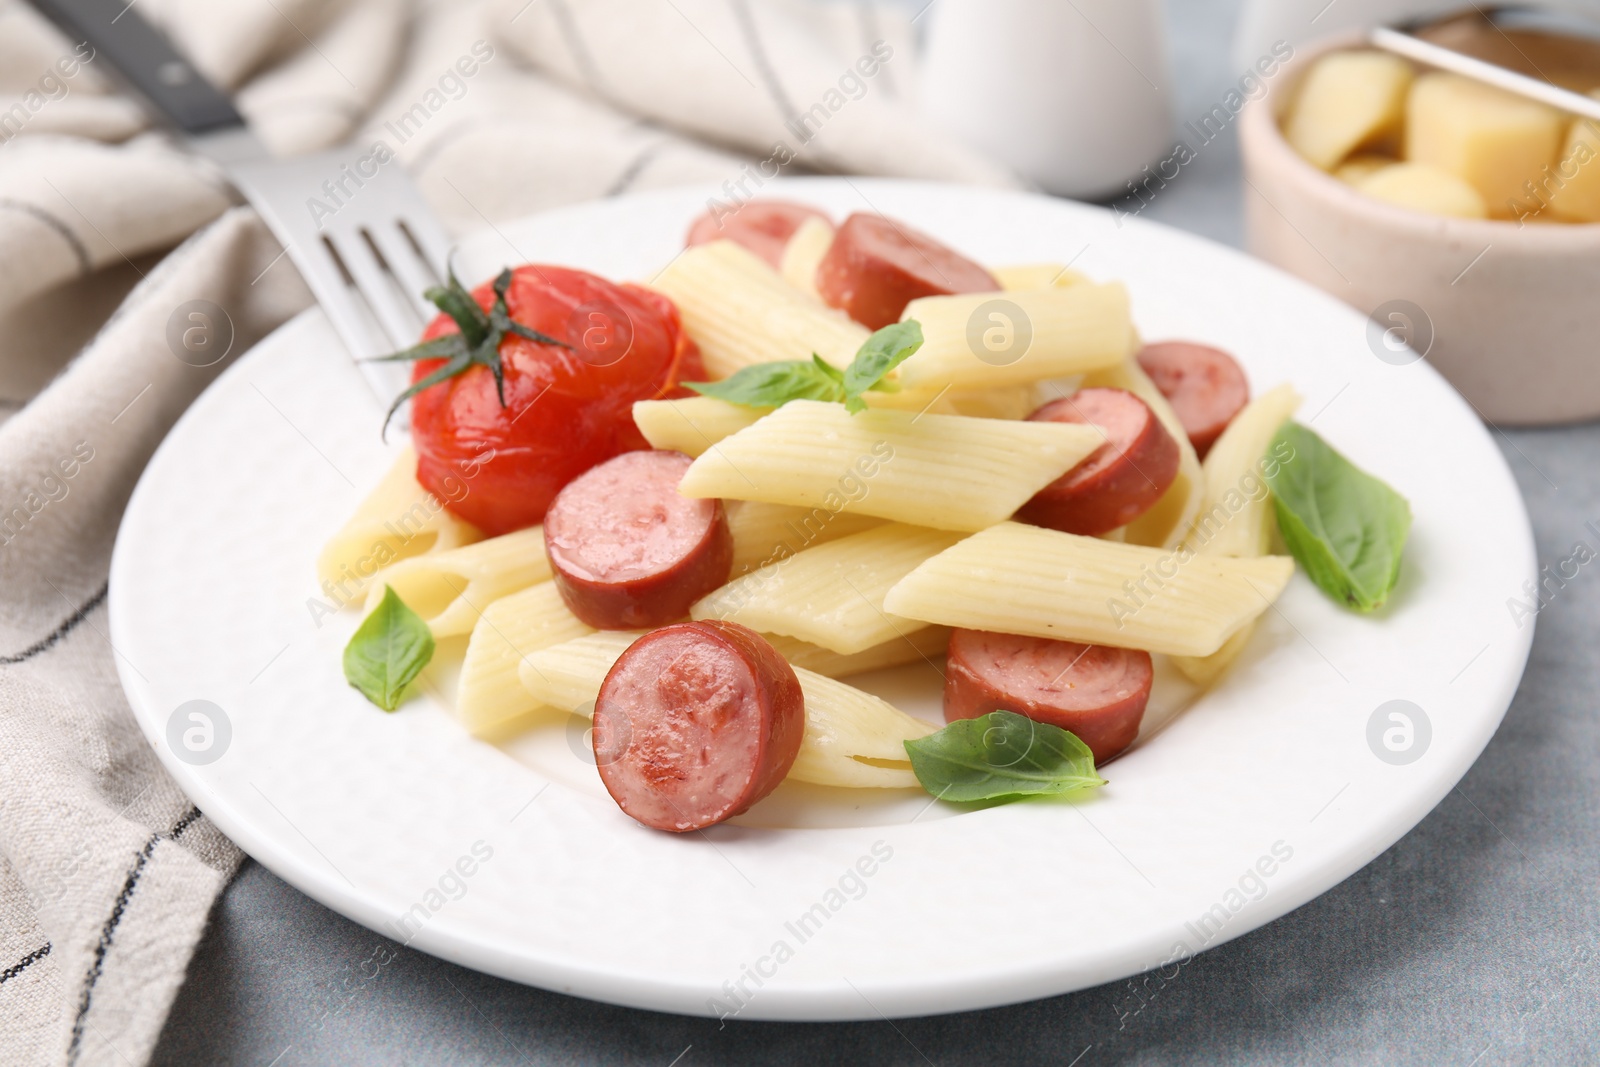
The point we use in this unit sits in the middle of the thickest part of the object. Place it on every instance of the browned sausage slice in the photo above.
(1096, 692)
(696, 722)
(762, 226)
(628, 552)
(875, 267)
(1205, 386)
(1117, 482)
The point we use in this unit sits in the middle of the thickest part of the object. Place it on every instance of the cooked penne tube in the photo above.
(916, 401)
(398, 520)
(948, 472)
(765, 533)
(450, 589)
(845, 727)
(803, 254)
(740, 311)
(568, 675)
(1027, 580)
(1001, 402)
(984, 339)
(1236, 517)
(691, 425)
(830, 595)
(1168, 522)
(922, 645)
(1037, 276)
(1203, 670)
(512, 627)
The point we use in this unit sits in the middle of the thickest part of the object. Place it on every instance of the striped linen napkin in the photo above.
(107, 871)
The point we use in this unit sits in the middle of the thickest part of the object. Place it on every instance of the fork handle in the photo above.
(145, 59)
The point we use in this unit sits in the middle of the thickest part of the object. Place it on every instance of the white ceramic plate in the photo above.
(1273, 771)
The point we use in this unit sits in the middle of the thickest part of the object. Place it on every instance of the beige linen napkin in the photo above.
(107, 228)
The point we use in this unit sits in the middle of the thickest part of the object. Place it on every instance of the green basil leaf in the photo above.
(828, 370)
(1001, 756)
(883, 352)
(387, 652)
(1345, 527)
(770, 385)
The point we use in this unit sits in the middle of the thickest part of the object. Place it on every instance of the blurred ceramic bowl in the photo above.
(1506, 311)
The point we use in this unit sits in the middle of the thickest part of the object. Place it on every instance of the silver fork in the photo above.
(357, 228)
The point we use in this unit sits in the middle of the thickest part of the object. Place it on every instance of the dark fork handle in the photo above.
(146, 60)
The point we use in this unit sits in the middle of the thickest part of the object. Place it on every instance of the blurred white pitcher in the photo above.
(1072, 94)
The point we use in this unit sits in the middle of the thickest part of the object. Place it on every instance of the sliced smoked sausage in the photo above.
(1117, 482)
(628, 552)
(695, 722)
(1205, 386)
(875, 267)
(762, 226)
(1096, 692)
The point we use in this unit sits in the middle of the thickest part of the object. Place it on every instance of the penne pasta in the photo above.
(691, 425)
(1027, 580)
(490, 690)
(1236, 516)
(980, 339)
(1203, 670)
(948, 472)
(916, 401)
(1167, 523)
(852, 738)
(398, 520)
(803, 254)
(450, 589)
(694, 425)
(1037, 276)
(830, 595)
(923, 645)
(567, 676)
(740, 311)
(1001, 402)
(766, 533)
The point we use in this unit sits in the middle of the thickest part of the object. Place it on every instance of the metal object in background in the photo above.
(1432, 55)
(351, 220)
(1261, 23)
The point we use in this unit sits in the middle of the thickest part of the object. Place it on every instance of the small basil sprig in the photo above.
(388, 651)
(1345, 527)
(1001, 756)
(770, 385)
(477, 344)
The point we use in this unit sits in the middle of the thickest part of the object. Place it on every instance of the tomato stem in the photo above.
(477, 344)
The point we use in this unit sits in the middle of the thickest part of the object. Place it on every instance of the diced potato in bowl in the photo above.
(1349, 99)
(1443, 144)
(1357, 168)
(1577, 199)
(1423, 188)
(1492, 139)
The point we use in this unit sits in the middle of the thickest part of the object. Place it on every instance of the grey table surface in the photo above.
(1471, 941)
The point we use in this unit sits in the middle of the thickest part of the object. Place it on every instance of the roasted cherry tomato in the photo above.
(566, 409)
